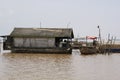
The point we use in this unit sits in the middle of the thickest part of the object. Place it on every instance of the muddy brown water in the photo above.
(59, 66)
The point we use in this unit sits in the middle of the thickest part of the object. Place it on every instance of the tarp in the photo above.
(91, 37)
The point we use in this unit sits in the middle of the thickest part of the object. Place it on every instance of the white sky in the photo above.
(82, 15)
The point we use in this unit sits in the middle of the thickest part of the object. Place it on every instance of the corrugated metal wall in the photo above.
(34, 42)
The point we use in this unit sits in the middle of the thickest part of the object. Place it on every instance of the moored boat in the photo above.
(88, 50)
(89, 47)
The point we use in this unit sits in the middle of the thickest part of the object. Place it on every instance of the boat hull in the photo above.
(88, 50)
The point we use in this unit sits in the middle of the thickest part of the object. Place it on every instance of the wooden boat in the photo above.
(88, 50)
(89, 47)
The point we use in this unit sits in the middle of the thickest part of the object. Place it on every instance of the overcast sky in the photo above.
(82, 15)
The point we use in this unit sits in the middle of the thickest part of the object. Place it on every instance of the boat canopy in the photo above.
(91, 37)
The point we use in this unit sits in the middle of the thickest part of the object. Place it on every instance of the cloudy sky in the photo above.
(82, 15)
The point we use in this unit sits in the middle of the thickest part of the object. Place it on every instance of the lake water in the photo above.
(59, 66)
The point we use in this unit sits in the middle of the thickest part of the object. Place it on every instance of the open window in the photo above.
(7, 43)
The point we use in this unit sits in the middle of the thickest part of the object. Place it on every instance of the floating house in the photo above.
(40, 40)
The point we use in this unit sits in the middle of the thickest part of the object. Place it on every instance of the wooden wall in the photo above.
(34, 42)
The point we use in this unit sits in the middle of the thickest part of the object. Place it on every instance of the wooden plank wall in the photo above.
(34, 42)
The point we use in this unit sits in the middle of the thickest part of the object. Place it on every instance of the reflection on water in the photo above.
(59, 66)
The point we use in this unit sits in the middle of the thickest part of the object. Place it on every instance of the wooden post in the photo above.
(99, 40)
(1, 46)
(110, 47)
(114, 40)
(86, 41)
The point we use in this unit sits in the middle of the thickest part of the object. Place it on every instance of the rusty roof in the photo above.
(42, 32)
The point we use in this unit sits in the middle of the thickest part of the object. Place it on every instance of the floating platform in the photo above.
(42, 50)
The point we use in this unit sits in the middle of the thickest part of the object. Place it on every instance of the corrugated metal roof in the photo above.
(42, 32)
